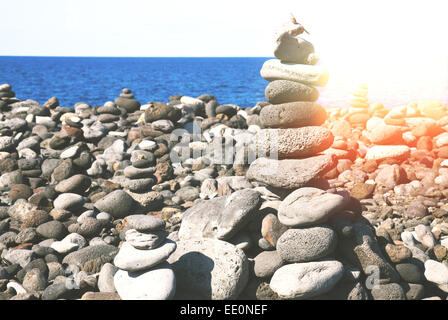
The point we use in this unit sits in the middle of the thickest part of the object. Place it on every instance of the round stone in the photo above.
(20, 191)
(52, 230)
(284, 91)
(303, 245)
(410, 272)
(292, 115)
(221, 217)
(68, 201)
(117, 203)
(266, 263)
(306, 280)
(75, 184)
(158, 283)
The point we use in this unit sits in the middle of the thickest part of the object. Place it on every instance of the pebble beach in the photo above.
(190, 199)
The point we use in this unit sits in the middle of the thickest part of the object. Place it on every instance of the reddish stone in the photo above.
(369, 166)
(272, 229)
(341, 128)
(362, 190)
(72, 132)
(158, 177)
(424, 143)
(352, 144)
(344, 164)
(442, 152)
(339, 144)
(332, 174)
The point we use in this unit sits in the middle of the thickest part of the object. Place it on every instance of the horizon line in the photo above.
(160, 57)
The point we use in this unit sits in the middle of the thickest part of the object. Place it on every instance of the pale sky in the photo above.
(217, 28)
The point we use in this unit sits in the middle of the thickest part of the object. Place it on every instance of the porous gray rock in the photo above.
(220, 218)
(292, 115)
(209, 269)
(293, 143)
(307, 244)
(390, 291)
(284, 91)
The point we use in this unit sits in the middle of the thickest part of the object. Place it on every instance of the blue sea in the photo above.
(230, 80)
(97, 80)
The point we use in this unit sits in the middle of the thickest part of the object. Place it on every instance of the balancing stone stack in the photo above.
(298, 235)
(292, 119)
(142, 260)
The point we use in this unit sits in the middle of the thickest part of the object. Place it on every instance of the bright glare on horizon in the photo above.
(383, 43)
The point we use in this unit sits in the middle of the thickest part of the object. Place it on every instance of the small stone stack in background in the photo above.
(142, 260)
(6, 96)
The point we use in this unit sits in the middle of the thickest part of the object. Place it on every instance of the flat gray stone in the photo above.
(306, 280)
(220, 218)
(309, 206)
(132, 259)
(390, 291)
(145, 241)
(311, 75)
(143, 223)
(289, 173)
(91, 258)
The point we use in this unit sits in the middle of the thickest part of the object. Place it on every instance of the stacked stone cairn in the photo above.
(141, 260)
(306, 235)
